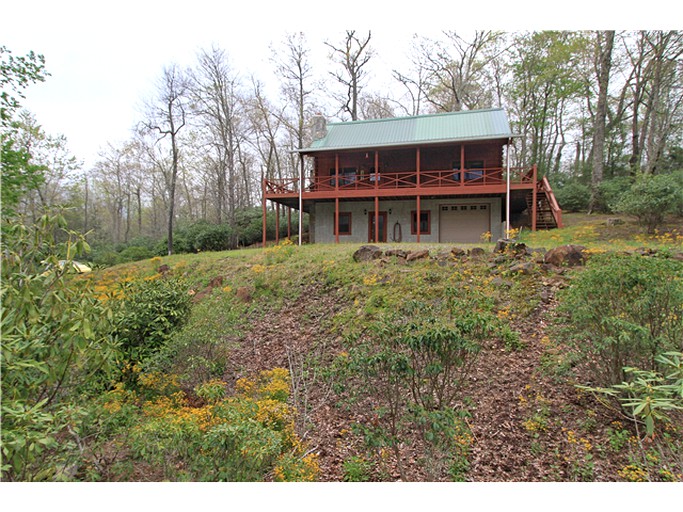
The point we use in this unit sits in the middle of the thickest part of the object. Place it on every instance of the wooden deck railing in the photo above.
(402, 180)
(552, 201)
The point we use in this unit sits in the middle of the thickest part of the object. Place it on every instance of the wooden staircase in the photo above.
(548, 212)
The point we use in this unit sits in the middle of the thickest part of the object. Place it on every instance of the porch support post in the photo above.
(507, 193)
(289, 222)
(417, 166)
(462, 164)
(277, 223)
(301, 197)
(376, 219)
(376, 197)
(336, 172)
(336, 220)
(534, 195)
(417, 220)
(263, 193)
(417, 170)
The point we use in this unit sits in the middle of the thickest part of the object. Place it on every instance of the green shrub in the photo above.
(573, 197)
(650, 198)
(149, 312)
(624, 310)
(135, 253)
(610, 191)
(57, 348)
(648, 395)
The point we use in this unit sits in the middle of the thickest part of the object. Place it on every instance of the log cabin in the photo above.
(427, 178)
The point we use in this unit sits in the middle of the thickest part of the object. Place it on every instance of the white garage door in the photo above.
(464, 222)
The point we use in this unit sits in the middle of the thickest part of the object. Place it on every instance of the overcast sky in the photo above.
(104, 57)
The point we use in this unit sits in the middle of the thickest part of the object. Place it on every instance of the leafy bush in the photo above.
(573, 197)
(200, 236)
(413, 365)
(149, 312)
(610, 192)
(648, 394)
(624, 310)
(134, 253)
(57, 348)
(240, 438)
(650, 198)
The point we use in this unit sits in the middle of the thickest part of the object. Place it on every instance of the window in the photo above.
(425, 222)
(344, 223)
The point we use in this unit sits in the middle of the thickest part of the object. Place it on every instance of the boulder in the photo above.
(367, 253)
(522, 268)
(417, 255)
(399, 253)
(477, 252)
(243, 294)
(458, 252)
(507, 246)
(566, 256)
(614, 222)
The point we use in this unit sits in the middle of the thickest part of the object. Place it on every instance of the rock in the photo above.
(216, 282)
(566, 256)
(522, 268)
(678, 256)
(614, 222)
(399, 253)
(367, 253)
(499, 281)
(417, 255)
(163, 269)
(645, 251)
(243, 294)
(504, 245)
(458, 252)
(476, 252)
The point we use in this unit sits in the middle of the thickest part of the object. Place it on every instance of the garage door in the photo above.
(463, 222)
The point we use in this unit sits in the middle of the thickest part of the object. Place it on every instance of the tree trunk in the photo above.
(603, 71)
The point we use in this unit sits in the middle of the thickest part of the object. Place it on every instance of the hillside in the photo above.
(502, 405)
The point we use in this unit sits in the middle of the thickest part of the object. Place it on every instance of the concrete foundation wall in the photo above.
(398, 211)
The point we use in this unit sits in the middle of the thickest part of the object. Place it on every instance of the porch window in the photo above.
(344, 223)
(425, 222)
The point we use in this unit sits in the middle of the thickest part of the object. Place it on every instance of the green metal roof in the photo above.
(423, 130)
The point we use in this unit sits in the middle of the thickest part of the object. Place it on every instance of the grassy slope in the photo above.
(303, 308)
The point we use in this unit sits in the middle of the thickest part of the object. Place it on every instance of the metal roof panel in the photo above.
(426, 129)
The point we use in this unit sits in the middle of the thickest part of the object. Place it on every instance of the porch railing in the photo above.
(401, 180)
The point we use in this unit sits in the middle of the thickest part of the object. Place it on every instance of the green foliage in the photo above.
(19, 175)
(650, 198)
(57, 347)
(149, 312)
(413, 364)
(624, 310)
(357, 469)
(610, 191)
(648, 394)
(244, 437)
(573, 197)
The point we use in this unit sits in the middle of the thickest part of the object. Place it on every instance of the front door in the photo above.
(382, 226)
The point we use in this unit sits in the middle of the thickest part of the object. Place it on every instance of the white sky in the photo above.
(105, 57)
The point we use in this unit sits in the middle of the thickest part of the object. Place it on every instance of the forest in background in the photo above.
(595, 110)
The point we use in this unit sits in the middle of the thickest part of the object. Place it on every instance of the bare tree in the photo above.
(167, 116)
(219, 110)
(353, 54)
(457, 74)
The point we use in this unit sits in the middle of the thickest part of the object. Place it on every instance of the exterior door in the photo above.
(382, 226)
(464, 223)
